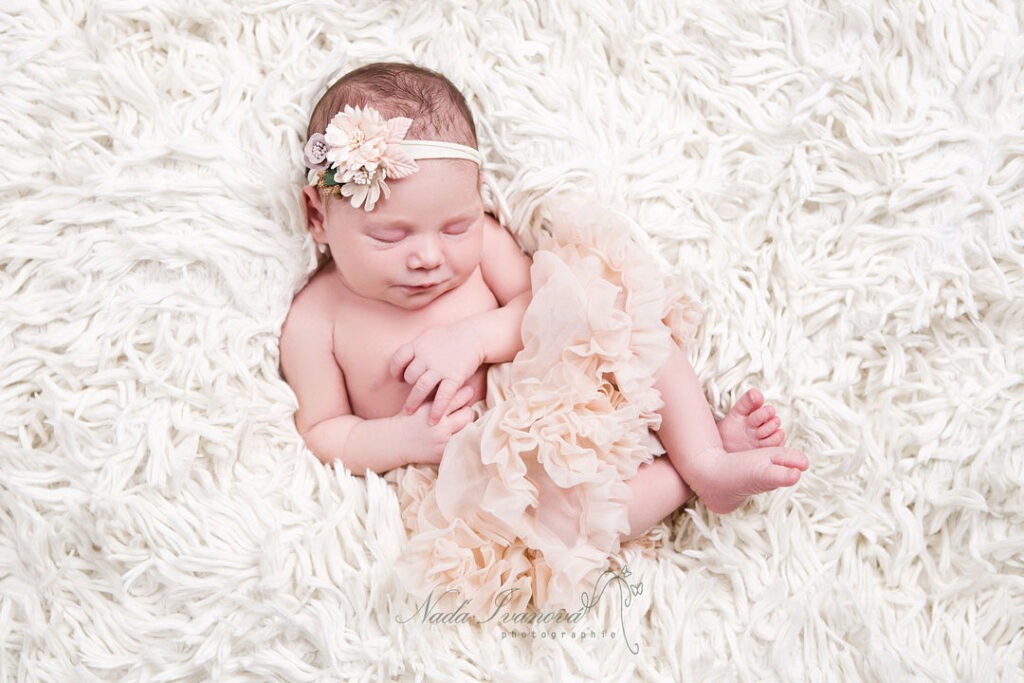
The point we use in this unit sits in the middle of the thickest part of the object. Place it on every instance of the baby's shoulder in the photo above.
(306, 336)
(313, 308)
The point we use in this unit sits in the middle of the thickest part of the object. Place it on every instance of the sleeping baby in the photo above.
(387, 346)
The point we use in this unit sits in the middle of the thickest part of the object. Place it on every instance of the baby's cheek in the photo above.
(466, 261)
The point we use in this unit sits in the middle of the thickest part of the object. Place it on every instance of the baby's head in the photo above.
(397, 194)
(437, 108)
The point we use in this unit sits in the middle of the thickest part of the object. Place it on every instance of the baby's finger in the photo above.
(424, 385)
(462, 398)
(458, 420)
(401, 359)
(415, 370)
(442, 399)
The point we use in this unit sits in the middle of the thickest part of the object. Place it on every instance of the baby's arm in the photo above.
(490, 337)
(506, 270)
(325, 419)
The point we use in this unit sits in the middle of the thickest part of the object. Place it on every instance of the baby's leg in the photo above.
(751, 424)
(657, 488)
(723, 481)
(658, 491)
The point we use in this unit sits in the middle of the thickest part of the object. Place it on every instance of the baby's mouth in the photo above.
(420, 288)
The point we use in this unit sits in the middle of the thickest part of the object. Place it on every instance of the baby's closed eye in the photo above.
(457, 229)
(463, 223)
(389, 235)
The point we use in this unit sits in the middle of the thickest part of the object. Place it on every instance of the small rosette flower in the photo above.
(315, 152)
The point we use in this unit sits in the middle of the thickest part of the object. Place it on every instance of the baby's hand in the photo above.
(426, 440)
(443, 358)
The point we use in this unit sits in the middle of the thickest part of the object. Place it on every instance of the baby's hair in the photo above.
(437, 108)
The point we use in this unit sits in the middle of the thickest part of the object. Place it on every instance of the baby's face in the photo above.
(422, 241)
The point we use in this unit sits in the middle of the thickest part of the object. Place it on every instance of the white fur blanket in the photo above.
(841, 184)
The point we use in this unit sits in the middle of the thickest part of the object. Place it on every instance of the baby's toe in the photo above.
(749, 402)
(761, 416)
(768, 428)
(790, 457)
(785, 476)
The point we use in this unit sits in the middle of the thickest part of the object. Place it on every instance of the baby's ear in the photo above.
(315, 213)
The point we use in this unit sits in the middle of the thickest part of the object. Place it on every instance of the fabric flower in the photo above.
(365, 150)
(316, 152)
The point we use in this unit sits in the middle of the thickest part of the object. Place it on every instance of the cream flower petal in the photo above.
(372, 195)
(356, 192)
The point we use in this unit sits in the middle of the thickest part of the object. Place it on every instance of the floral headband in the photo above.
(360, 150)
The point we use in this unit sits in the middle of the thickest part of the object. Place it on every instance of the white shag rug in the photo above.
(841, 183)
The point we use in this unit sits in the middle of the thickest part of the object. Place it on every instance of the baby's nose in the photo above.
(427, 253)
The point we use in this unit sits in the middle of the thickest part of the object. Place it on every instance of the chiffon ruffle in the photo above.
(530, 499)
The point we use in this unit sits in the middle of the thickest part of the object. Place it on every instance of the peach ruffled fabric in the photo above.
(532, 495)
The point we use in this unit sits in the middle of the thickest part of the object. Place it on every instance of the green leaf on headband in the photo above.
(329, 177)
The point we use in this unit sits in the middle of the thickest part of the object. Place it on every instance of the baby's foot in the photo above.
(723, 481)
(751, 424)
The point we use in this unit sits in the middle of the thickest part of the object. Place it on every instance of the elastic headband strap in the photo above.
(435, 149)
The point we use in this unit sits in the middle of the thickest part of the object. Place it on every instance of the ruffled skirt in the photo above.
(530, 500)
